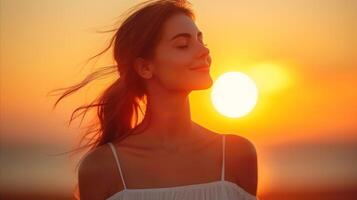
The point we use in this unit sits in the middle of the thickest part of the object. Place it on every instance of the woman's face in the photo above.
(181, 49)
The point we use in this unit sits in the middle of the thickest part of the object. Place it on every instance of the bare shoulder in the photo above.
(241, 145)
(244, 166)
(91, 159)
(93, 171)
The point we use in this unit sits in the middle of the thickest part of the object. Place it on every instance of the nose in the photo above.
(205, 54)
(205, 49)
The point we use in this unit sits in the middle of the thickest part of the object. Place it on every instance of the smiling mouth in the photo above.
(200, 69)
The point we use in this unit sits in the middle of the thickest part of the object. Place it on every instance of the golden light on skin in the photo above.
(234, 94)
(270, 77)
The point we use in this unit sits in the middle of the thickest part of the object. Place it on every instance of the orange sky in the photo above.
(309, 46)
(43, 44)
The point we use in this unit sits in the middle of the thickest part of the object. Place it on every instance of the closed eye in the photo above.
(188, 36)
(182, 47)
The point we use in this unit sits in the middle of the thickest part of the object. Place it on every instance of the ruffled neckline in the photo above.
(181, 187)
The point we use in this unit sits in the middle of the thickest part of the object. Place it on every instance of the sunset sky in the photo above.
(301, 54)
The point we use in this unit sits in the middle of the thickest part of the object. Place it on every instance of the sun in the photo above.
(234, 94)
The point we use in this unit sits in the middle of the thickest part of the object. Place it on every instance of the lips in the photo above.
(200, 68)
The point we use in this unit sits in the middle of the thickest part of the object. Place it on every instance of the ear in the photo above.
(143, 68)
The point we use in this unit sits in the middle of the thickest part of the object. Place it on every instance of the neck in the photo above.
(168, 122)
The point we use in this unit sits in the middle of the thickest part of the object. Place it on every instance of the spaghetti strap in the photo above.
(223, 156)
(117, 161)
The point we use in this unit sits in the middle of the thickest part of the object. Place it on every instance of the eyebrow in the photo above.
(186, 35)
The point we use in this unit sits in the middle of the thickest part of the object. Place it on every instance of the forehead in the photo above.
(177, 24)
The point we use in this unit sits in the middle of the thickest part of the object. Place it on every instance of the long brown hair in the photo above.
(137, 36)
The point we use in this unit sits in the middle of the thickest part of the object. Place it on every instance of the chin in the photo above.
(202, 85)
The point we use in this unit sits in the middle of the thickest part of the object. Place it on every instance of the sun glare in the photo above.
(271, 78)
(234, 94)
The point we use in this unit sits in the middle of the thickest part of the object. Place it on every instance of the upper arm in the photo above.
(91, 177)
(246, 162)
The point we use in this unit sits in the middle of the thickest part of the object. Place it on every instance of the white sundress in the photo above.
(215, 190)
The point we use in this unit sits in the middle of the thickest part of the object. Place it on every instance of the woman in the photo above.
(161, 57)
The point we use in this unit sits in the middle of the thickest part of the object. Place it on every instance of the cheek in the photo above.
(179, 59)
(174, 73)
(175, 62)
